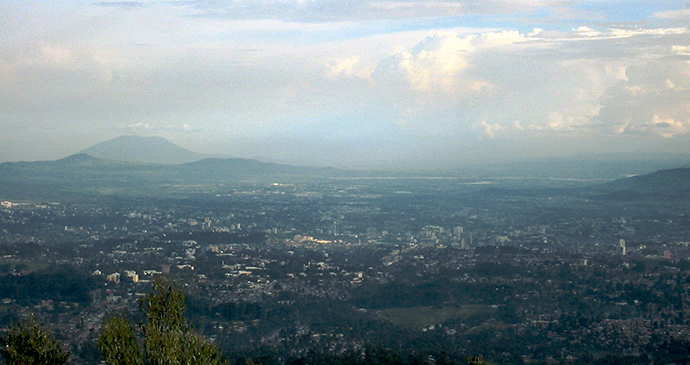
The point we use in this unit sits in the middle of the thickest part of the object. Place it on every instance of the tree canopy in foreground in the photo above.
(165, 335)
(27, 343)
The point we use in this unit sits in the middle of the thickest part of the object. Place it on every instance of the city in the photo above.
(274, 271)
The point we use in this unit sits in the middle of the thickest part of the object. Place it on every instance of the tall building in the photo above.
(621, 247)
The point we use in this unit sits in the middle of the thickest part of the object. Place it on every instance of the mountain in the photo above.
(670, 181)
(82, 175)
(155, 167)
(143, 149)
(671, 184)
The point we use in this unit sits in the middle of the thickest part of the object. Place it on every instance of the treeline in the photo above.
(210, 237)
(22, 250)
(56, 283)
(664, 352)
(375, 355)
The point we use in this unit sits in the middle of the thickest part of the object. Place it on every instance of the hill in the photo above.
(143, 149)
(671, 184)
(84, 175)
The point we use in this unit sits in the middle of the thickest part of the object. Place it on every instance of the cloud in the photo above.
(7, 73)
(344, 67)
(438, 62)
(291, 11)
(595, 97)
(56, 55)
(556, 124)
(498, 39)
(340, 70)
(585, 31)
(137, 127)
(121, 4)
(372, 10)
(154, 129)
(653, 101)
(432, 64)
(490, 129)
(680, 50)
(681, 14)
(503, 82)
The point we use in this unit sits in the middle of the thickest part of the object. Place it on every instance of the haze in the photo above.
(348, 83)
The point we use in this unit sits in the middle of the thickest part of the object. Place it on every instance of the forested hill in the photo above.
(672, 184)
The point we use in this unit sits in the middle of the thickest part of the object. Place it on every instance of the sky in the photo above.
(348, 83)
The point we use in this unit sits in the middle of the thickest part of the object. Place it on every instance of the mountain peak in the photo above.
(142, 149)
(79, 157)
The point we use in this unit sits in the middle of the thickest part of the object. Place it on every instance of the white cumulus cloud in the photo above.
(438, 62)
(433, 64)
(655, 101)
(344, 67)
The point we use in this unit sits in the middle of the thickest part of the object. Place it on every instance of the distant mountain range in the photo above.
(153, 166)
(143, 149)
(593, 167)
(84, 175)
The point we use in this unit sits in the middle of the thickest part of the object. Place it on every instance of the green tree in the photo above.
(118, 342)
(475, 361)
(27, 343)
(167, 335)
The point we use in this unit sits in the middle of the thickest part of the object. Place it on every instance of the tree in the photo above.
(118, 342)
(27, 343)
(475, 361)
(167, 335)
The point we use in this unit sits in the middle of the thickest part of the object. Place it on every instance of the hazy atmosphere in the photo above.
(347, 83)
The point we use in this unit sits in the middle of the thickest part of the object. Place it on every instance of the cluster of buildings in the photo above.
(312, 243)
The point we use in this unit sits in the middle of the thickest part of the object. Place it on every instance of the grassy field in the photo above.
(426, 316)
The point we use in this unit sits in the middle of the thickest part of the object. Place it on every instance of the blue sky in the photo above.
(354, 83)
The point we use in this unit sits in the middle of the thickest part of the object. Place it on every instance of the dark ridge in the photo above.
(672, 184)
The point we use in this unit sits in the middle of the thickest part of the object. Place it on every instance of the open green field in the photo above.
(426, 316)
